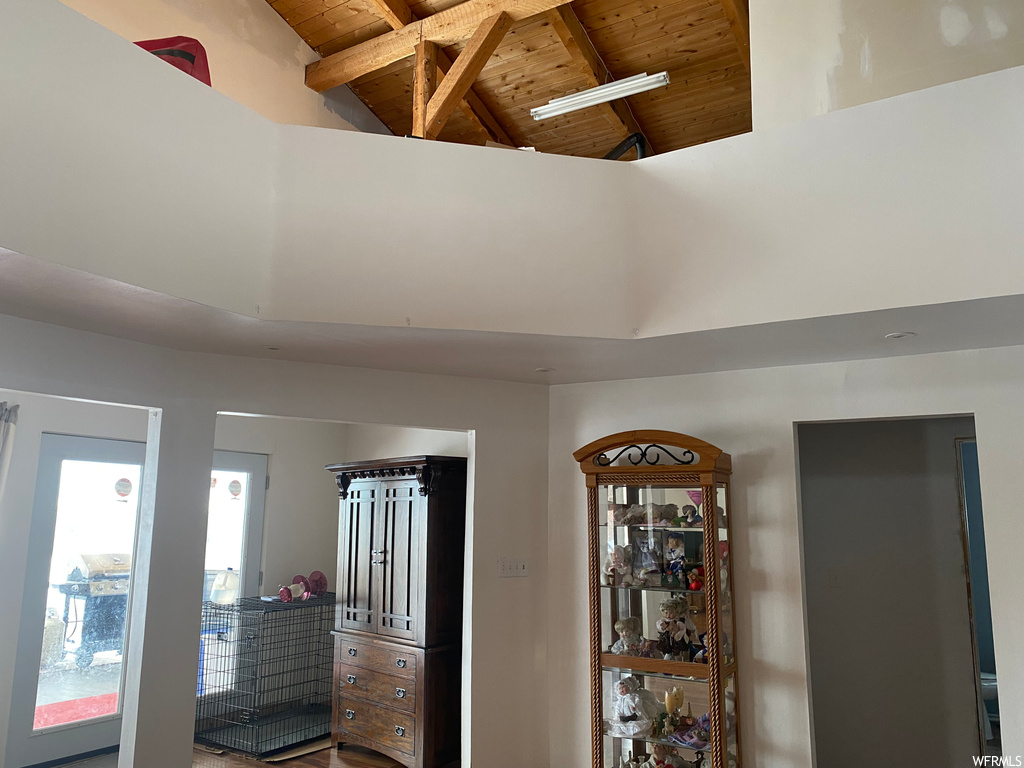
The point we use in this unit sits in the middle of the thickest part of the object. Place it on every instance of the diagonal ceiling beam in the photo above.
(739, 21)
(465, 70)
(398, 14)
(445, 28)
(588, 61)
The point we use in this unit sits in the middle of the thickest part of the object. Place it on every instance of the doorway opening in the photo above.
(896, 599)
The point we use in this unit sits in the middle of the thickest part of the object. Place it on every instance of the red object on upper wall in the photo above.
(185, 53)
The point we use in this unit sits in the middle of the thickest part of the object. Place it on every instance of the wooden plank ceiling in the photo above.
(703, 44)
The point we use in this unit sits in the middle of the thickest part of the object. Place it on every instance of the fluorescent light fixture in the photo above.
(599, 95)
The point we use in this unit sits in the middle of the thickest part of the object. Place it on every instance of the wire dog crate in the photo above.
(265, 674)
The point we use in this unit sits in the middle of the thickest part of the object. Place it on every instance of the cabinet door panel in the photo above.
(399, 531)
(355, 559)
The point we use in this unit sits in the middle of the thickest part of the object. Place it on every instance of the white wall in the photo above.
(506, 639)
(40, 414)
(255, 58)
(751, 414)
(300, 521)
(867, 208)
(809, 57)
(372, 441)
(888, 614)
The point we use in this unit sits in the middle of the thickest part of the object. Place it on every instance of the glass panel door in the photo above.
(234, 535)
(69, 681)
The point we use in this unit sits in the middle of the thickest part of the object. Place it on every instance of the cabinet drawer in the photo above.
(384, 726)
(380, 657)
(380, 688)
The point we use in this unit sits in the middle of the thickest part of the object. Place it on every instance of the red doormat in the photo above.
(63, 712)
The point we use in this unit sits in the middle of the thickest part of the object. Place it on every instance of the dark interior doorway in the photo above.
(886, 532)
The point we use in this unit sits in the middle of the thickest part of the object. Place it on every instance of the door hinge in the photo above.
(268, 483)
(261, 578)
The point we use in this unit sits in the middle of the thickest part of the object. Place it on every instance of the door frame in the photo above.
(26, 746)
(965, 539)
(256, 465)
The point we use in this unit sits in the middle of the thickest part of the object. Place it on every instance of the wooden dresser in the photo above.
(398, 624)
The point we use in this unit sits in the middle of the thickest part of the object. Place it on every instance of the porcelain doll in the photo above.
(663, 756)
(675, 558)
(617, 572)
(631, 642)
(646, 559)
(676, 632)
(699, 652)
(636, 709)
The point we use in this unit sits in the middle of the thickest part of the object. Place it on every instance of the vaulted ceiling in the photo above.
(546, 51)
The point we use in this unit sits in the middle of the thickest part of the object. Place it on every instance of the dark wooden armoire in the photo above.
(398, 626)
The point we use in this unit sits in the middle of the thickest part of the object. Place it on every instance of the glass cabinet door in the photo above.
(654, 625)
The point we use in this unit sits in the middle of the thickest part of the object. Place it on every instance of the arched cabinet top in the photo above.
(651, 452)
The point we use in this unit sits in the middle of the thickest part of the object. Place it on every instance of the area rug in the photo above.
(63, 712)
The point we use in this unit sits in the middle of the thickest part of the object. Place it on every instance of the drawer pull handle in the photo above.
(352, 651)
(349, 714)
(399, 730)
(400, 693)
(377, 551)
(351, 679)
(378, 562)
(401, 662)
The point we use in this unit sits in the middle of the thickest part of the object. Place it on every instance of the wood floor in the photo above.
(348, 757)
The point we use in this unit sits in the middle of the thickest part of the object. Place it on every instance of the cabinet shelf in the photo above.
(671, 528)
(654, 740)
(680, 590)
(676, 669)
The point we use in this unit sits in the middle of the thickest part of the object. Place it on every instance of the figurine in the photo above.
(699, 652)
(723, 571)
(646, 558)
(695, 578)
(676, 632)
(697, 736)
(663, 756)
(636, 709)
(631, 642)
(675, 558)
(689, 517)
(617, 572)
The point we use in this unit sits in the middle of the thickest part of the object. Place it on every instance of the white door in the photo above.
(234, 538)
(69, 681)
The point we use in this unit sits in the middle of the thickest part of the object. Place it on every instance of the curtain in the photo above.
(8, 420)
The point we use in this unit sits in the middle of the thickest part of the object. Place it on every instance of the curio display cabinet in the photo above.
(662, 644)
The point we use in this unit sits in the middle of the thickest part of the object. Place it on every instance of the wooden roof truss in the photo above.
(470, 71)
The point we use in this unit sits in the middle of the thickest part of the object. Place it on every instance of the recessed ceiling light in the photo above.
(900, 335)
(270, 348)
(544, 370)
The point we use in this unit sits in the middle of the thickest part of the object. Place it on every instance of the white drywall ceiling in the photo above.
(50, 293)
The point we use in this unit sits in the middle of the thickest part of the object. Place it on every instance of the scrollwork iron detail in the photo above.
(650, 455)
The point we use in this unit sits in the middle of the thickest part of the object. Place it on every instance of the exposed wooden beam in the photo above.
(739, 21)
(465, 70)
(588, 61)
(445, 28)
(398, 14)
(424, 82)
